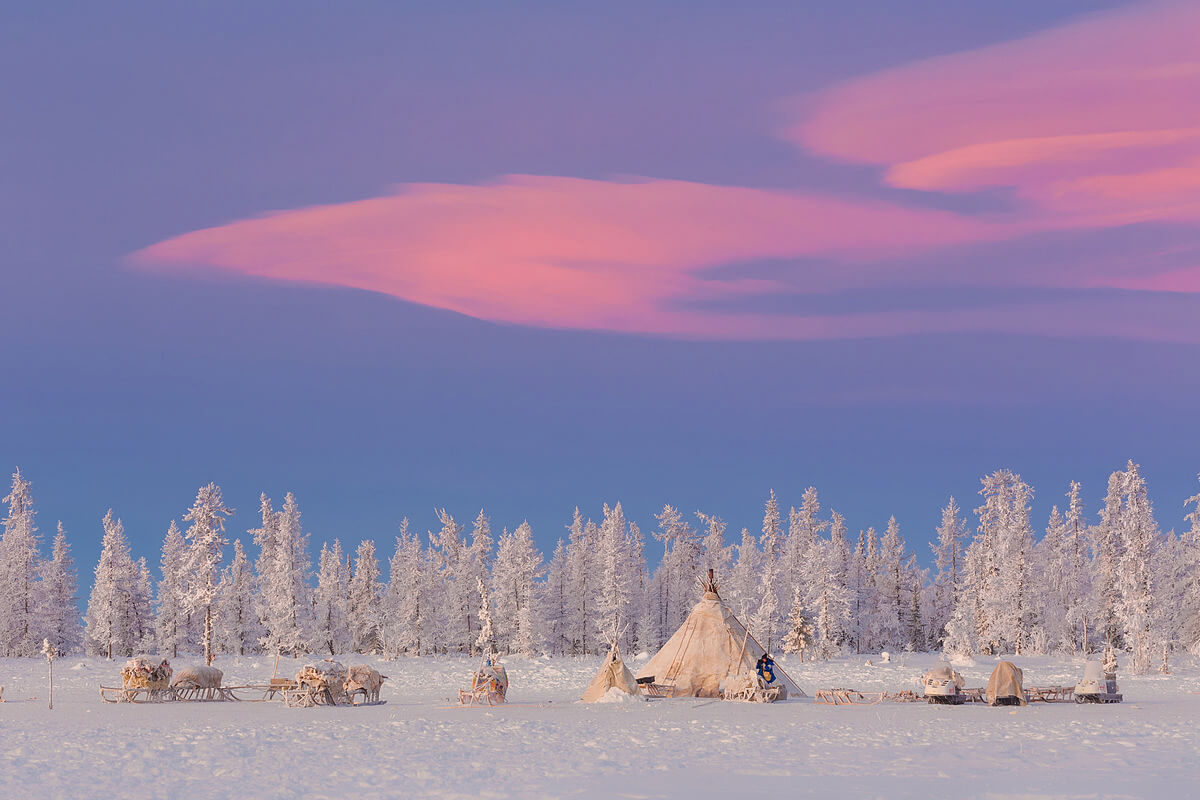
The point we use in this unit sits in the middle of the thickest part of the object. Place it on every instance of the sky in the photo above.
(525, 257)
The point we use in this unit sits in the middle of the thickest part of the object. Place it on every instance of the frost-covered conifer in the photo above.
(613, 605)
(20, 628)
(406, 609)
(283, 573)
(740, 590)
(798, 635)
(112, 620)
(583, 574)
(766, 616)
(948, 557)
(365, 596)
(330, 626)
(172, 622)
(556, 603)
(206, 540)
(486, 641)
(456, 589)
(58, 612)
(237, 620)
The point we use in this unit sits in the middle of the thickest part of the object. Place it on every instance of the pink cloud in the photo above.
(1090, 124)
(566, 252)
(1093, 121)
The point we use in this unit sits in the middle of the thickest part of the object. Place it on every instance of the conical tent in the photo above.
(710, 646)
(613, 674)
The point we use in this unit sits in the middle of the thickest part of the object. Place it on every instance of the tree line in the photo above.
(802, 583)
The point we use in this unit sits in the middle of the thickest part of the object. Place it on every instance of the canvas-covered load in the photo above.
(613, 674)
(1005, 686)
(710, 647)
(198, 677)
(142, 673)
(326, 676)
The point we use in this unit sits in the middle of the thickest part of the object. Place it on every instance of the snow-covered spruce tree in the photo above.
(798, 629)
(404, 629)
(1189, 621)
(206, 541)
(237, 620)
(948, 558)
(715, 553)
(875, 625)
(765, 621)
(856, 582)
(486, 640)
(283, 573)
(831, 602)
(613, 603)
(456, 589)
(555, 602)
(1106, 564)
(639, 628)
(20, 629)
(111, 621)
(890, 585)
(366, 594)
(583, 574)
(673, 586)
(1077, 590)
(479, 565)
(804, 561)
(59, 587)
(330, 629)
(172, 624)
(740, 589)
(1007, 538)
(519, 578)
(143, 605)
(1137, 611)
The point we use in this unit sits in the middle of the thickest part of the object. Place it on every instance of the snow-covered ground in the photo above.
(547, 745)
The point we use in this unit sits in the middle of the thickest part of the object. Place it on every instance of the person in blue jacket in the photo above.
(766, 669)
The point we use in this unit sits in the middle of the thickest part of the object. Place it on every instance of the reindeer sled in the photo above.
(489, 685)
(142, 681)
(319, 684)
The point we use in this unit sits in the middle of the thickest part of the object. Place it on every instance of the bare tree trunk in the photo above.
(208, 632)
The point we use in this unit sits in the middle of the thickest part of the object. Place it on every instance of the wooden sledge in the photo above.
(853, 697)
(1050, 694)
(167, 694)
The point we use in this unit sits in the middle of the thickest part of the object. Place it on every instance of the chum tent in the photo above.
(612, 675)
(711, 646)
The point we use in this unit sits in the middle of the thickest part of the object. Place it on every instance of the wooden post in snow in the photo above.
(51, 653)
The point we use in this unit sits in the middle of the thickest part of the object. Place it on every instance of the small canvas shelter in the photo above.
(710, 647)
(612, 675)
(1005, 686)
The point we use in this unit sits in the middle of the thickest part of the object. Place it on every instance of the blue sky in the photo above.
(129, 387)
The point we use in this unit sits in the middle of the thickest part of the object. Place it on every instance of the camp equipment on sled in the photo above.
(489, 684)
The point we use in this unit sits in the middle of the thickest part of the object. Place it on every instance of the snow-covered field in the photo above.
(547, 745)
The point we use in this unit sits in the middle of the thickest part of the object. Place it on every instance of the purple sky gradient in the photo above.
(133, 124)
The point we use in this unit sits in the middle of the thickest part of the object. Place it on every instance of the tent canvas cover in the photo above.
(613, 674)
(709, 647)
